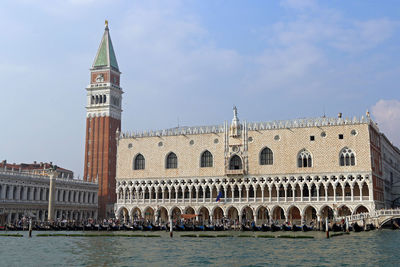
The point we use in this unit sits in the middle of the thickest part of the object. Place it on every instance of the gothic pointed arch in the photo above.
(171, 161)
(304, 159)
(206, 159)
(139, 162)
(266, 156)
(347, 157)
(235, 163)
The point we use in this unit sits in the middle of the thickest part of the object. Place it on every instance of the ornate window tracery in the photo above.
(304, 159)
(347, 157)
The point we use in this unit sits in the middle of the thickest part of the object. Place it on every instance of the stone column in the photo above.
(301, 193)
(11, 194)
(360, 187)
(317, 187)
(270, 194)
(163, 194)
(343, 193)
(156, 194)
(52, 188)
(285, 188)
(277, 193)
(262, 194)
(240, 195)
(225, 194)
(334, 193)
(3, 192)
(247, 194)
(197, 195)
(352, 193)
(326, 193)
(190, 195)
(294, 194)
(204, 194)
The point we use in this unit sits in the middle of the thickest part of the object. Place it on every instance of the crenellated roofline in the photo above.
(254, 126)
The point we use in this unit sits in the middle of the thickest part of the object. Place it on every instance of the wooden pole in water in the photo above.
(326, 227)
(171, 234)
(347, 225)
(30, 227)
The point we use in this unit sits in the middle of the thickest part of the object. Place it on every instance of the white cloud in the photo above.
(387, 115)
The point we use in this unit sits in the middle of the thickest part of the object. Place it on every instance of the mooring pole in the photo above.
(30, 227)
(326, 227)
(171, 234)
(347, 225)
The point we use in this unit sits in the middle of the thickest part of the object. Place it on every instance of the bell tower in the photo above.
(103, 120)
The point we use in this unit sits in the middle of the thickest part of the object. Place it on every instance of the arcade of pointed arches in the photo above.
(260, 214)
(271, 192)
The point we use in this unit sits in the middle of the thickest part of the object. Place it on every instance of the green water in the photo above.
(375, 248)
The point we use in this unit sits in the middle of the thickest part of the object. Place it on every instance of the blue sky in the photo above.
(191, 61)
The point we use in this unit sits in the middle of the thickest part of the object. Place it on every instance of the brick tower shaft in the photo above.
(103, 120)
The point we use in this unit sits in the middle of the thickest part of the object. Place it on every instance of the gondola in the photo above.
(209, 228)
(255, 228)
(275, 228)
(189, 227)
(88, 227)
(245, 228)
(199, 228)
(306, 228)
(285, 227)
(219, 228)
(147, 227)
(265, 228)
(337, 228)
(136, 227)
(357, 228)
(179, 228)
(296, 228)
(156, 227)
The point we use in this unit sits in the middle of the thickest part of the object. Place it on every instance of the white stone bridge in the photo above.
(377, 217)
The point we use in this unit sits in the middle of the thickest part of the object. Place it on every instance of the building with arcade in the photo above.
(298, 171)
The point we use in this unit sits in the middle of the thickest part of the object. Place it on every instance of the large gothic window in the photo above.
(266, 157)
(235, 163)
(172, 161)
(304, 159)
(139, 162)
(347, 157)
(206, 159)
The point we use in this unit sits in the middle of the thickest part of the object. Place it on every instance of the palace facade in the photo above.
(299, 170)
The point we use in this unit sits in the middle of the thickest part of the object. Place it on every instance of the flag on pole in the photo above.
(219, 196)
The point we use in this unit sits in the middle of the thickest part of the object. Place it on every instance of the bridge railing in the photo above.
(366, 215)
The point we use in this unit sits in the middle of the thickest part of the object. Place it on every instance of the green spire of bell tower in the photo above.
(105, 56)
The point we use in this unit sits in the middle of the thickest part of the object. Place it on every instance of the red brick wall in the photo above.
(101, 161)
